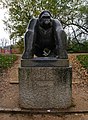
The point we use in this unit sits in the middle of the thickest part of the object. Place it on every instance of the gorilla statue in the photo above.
(45, 37)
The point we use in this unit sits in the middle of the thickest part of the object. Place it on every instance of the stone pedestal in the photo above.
(45, 83)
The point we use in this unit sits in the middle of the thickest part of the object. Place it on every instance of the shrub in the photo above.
(83, 60)
(7, 60)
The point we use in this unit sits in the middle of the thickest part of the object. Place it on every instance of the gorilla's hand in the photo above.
(27, 55)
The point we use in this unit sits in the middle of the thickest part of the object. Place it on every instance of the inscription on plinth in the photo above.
(45, 87)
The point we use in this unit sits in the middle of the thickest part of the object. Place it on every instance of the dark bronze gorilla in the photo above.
(45, 37)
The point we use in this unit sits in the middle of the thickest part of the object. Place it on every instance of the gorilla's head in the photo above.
(45, 20)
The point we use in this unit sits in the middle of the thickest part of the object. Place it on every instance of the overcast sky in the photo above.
(3, 33)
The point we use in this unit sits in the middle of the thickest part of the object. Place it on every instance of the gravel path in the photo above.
(9, 93)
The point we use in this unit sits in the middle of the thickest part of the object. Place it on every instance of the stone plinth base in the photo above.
(45, 87)
(44, 62)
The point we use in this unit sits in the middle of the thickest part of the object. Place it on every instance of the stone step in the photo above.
(42, 111)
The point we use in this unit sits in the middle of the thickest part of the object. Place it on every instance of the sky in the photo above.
(3, 34)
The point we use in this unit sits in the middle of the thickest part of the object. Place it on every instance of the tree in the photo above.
(73, 14)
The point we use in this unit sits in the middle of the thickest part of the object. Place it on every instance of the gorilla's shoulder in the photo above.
(33, 20)
(56, 23)
(32, 23)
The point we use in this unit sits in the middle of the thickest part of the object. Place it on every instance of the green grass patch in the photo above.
(83, 60)
(6, 61)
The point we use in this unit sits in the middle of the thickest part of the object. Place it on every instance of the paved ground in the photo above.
(9, 94)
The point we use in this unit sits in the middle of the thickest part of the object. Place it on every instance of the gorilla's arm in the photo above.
(28, 39)
(61, 39)
(60, 34)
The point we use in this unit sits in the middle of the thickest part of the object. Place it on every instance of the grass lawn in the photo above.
(83, 60)
(7, 60)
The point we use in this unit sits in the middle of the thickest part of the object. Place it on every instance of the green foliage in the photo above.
(7, 60)
(75, 47)
(72, 14)
(83, 60)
